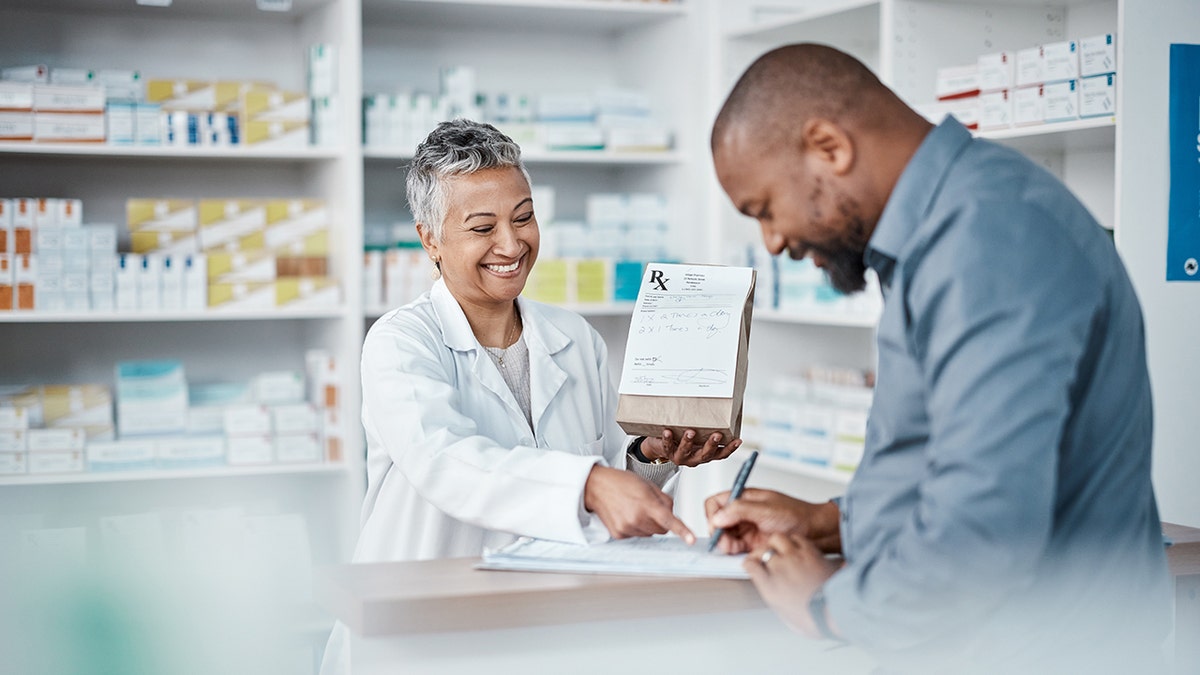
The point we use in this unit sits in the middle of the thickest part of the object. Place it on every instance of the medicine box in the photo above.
(297, 448)
(997, 71)
(123, 455)
(241, 296)
(16, 126)
(275, 134)
(1027, 106)
(16, 97)
(246, 419)
(76, 99)
(55, 461)
(1060, 61)
(278, 387)
(151, 398)
(1029, 66)
(274, 105)
(13, 462)
(1060, 101)
(1097, 55)
(307, 292)
(295, 418)
(187, 452)
(161, 215)
(322, 70)
(224, 223)
(995, 110)
(291, 221)
(29, 74)
(240, 266)
(957, 82)
(1097, 96)
(249, 450)
(56, 127)
(13, 440)
(120, 123)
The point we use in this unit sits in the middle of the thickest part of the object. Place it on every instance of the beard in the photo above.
(844, 268)
(843, 253)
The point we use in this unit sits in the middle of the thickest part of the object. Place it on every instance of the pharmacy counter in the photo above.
(444, 616)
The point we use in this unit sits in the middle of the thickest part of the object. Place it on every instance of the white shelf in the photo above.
(164, 474)
(587, 16)
(807, 470)
(584, 309)
(244, 9)
(608, 157)
(151, 317)
(1097, 133)
(816, 319)
(854, 17)
(306, 154)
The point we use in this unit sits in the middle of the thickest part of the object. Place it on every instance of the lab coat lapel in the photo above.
(457, 335)
(546, 377)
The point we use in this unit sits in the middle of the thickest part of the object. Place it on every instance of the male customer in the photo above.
(1002, 518)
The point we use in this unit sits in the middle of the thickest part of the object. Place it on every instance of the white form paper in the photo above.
(683, 338)
(659, 555)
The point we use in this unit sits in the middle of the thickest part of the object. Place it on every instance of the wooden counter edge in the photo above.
(424, 597)
(1183, 556)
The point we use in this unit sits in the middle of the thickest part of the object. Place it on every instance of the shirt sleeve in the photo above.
(997, 324)
(412, 410)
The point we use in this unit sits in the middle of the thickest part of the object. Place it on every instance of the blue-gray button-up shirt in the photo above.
(1003, 509)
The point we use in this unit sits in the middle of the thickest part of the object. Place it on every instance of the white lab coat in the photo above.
(452, 464)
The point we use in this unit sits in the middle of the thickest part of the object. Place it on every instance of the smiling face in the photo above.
(800, 199)
(489, 236)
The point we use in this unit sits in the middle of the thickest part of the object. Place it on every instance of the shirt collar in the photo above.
(910, 200)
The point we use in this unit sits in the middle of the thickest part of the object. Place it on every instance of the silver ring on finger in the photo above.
(766, 556)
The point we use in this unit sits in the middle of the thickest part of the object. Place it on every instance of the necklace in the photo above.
(498, 352)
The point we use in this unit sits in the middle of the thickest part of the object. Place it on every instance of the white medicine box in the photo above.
(1060, 101)
(1097, 55)
(1060, 61)
(1098, 96)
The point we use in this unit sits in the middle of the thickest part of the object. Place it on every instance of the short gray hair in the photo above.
(454, 148)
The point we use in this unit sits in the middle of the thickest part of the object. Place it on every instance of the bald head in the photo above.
(788, 86)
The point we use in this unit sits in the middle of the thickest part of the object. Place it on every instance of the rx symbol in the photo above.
(656, 277)
(1190, 266)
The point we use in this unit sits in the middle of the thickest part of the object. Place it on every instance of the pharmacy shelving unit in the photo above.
(201, 39)
(1118, 166)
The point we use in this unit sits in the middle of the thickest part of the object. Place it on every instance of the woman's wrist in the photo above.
(637, 452)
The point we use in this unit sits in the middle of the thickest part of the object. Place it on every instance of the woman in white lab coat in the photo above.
(488, 415)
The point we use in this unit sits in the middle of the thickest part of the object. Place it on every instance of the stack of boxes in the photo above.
(54, 106)
(163, 421)
(1054, 82)
(45, 429)
(50, 261)
(39, 103)
(601, 259)
(819, 418)
(228, 254)
(801, 288)
(612, 119)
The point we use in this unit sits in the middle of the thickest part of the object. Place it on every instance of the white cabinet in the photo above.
(206, 39)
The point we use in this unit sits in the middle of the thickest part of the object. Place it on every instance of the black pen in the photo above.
(739, 484)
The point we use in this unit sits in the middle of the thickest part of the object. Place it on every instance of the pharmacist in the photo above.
(1002, 518)
(487, 415)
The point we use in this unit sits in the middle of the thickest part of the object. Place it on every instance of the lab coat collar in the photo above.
(543, 338)
(540, 334)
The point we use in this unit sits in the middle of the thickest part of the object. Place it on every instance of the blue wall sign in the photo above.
(1183, 216)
